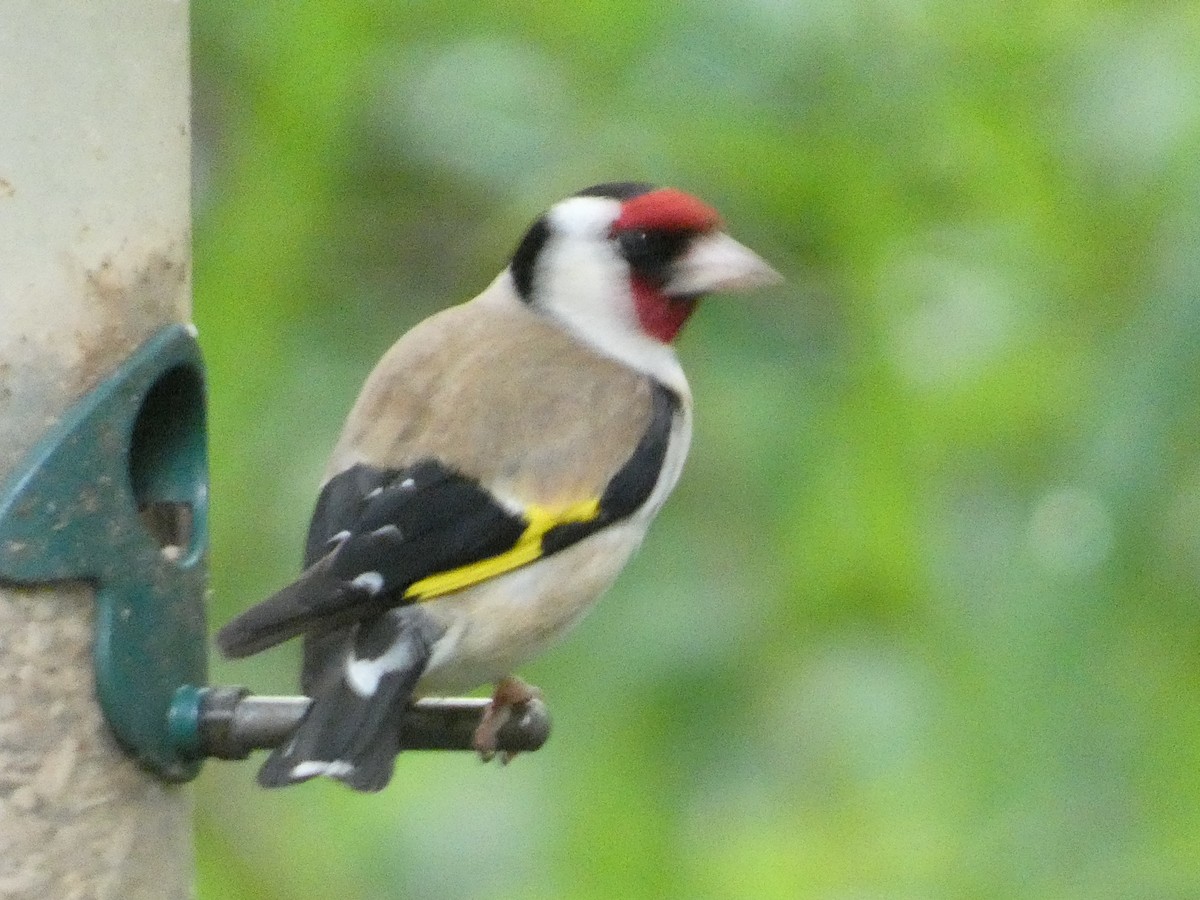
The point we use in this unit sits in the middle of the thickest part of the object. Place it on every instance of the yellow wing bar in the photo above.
(527, 548)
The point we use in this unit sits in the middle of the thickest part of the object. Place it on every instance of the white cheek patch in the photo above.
(582, 277)
(585, 284)
(584, 217)
(583, 281)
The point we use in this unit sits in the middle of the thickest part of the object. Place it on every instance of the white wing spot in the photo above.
(374, 493)
(408, 483)
(386, 529)
(339, 537)
(363, 674)
(336, 769)
(371, 582)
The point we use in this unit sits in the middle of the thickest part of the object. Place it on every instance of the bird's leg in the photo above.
(510, 692)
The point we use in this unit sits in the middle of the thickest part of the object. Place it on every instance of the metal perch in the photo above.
(232, 723)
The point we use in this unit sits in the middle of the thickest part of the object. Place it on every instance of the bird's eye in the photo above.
(634, 244)
(650, 252)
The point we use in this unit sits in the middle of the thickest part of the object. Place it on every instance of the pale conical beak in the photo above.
(716, 262)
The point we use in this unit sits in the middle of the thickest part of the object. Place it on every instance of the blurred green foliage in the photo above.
(922, 620)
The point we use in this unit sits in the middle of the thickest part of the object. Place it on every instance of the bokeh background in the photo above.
(922, 619)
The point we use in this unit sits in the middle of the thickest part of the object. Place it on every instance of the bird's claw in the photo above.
(510, 694)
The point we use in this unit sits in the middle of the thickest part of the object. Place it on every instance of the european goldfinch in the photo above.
(496, 473)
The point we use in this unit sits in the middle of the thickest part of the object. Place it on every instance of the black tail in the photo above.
(314, 602)
(351, 731)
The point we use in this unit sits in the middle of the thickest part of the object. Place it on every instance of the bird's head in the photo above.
(626, 263)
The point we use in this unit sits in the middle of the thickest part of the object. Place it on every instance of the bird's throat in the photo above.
(661, 316)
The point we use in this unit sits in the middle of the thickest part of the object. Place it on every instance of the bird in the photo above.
(497, 471)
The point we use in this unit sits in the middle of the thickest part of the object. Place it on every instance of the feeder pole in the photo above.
(94, 259)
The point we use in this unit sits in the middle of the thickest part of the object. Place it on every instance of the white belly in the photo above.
(495, 627)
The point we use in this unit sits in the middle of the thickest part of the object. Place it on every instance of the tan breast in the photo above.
(504, 396)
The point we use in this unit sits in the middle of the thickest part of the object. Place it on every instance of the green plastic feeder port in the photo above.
(117, 495)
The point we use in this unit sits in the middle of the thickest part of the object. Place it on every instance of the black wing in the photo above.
(376, 533)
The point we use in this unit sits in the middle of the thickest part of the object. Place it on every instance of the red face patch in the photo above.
(669, 209)
(660, 316)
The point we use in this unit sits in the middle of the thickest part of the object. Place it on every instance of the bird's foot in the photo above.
(510, 693)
